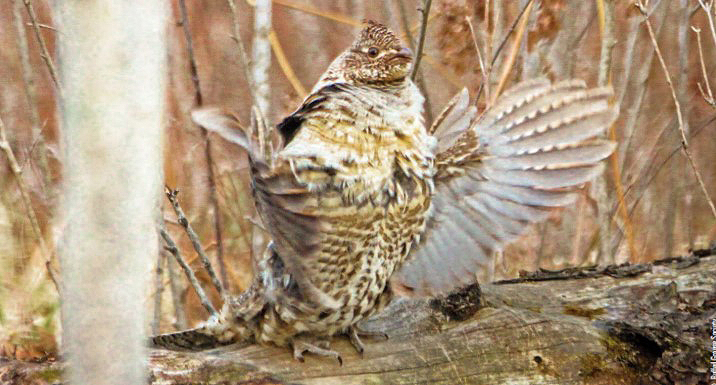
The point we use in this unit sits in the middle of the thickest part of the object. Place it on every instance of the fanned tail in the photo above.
(546, 136)
(525, 156)
(231, 326)
(193, 339)
(538, 136)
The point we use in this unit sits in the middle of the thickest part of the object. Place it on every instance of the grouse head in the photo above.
(376, 58)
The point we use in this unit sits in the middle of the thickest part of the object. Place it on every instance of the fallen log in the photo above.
(628, 324)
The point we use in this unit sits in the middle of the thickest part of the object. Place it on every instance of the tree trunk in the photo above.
(630, 324)
(111, 60)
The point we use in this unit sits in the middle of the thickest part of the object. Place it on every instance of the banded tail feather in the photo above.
(525, 156)
(193, 340)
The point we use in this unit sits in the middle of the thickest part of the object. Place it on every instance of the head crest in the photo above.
(377, 34)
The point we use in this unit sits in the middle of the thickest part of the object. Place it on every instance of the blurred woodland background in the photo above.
(648, 205)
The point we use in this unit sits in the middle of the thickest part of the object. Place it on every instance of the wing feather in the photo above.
(535, 147)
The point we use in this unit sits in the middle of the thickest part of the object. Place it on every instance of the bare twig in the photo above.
(709, 10)
(408, 34)
(261, 56)
(708, 95)
(642, 76)
(425, 12)
(679, 191)
(198, 98)
(507, 67)
(172, 196)
(502, 44)
(489, 41)
(245, 63)
(527, 7)
(285, 65)
(172, 248)
(45, 54)
(335, 16)
(240, 191)
(660, 166)
(579, 230)
(158, 289)
(684, 141)
(606, 28)
(31, 91)
(483, 69)
(45, 26)
(24, 193)
(177, 303)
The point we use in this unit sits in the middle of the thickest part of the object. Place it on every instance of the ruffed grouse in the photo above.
(364, 202)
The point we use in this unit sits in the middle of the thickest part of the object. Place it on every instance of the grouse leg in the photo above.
(355, 332)
(316, 347)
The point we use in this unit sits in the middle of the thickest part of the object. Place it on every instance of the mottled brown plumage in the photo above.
(363, 202)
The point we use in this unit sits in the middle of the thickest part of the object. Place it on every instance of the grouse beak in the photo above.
(404, 53)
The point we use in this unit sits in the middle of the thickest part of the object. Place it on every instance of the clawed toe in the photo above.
(371, 333)
(355, 340)
(354, 333)
(318, 347)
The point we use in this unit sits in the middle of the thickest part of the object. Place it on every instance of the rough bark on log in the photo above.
(633, 324)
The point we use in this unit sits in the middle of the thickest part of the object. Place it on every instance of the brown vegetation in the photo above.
(650, 204)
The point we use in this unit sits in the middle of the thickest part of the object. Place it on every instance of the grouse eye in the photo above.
(372, 52)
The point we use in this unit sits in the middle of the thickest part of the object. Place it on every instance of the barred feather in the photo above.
(525, 156)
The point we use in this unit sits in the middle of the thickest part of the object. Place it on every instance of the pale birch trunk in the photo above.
(260, 65)
(112, 61)
(261, 56)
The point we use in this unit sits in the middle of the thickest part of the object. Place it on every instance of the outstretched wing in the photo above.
(299, 216)
(525, 156)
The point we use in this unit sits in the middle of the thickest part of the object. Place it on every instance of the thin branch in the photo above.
(635, 111)
(708, 95)
(708, 9)
(28, 78)
(489, 41)
(606, 29)
(661, 165)
(34, 223)
(172, 248)
(608, 41)
(172, 196)
(245, 61)
(678, 192)
(285, 65)
(335, 16)
(408, 35)
(45, 26)
(261, 56)
(45, 54)
(198, 98)
(524, 17)
(425, 12)
(158, 289)
(509, 32)
(177, 303)
(483, 70)
(579, 230)
(502, 44)
(684, 142)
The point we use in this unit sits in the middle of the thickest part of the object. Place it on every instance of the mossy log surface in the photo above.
(631, 324)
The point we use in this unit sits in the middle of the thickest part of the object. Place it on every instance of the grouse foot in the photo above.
(319, 347)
